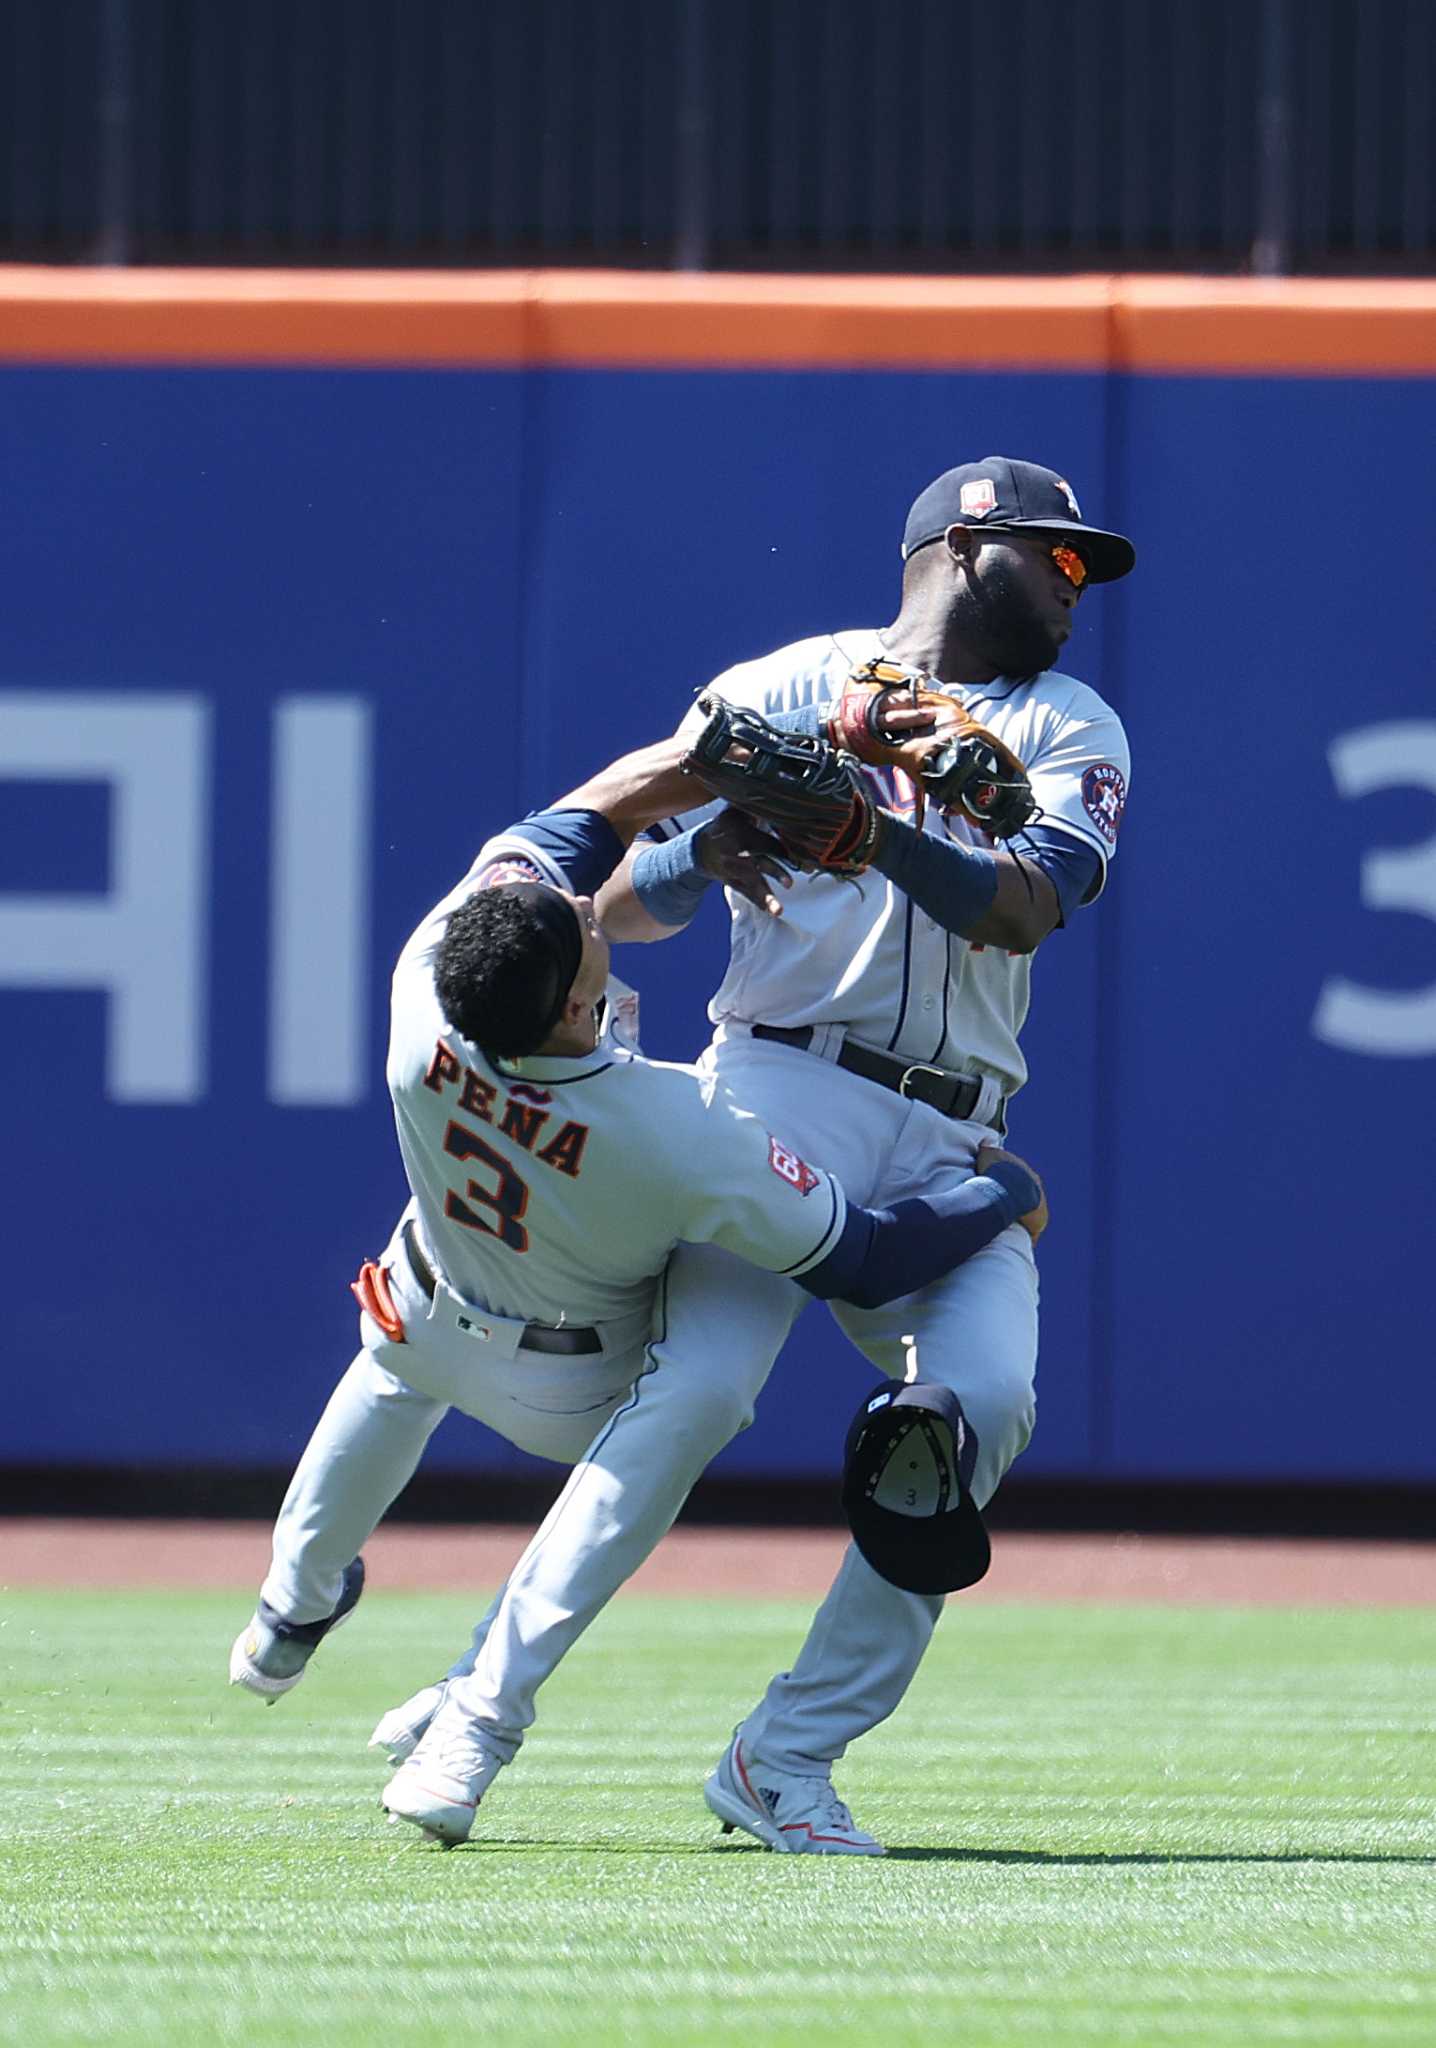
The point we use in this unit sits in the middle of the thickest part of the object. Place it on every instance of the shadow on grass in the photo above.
(1097, 1858)
(1041, 1858)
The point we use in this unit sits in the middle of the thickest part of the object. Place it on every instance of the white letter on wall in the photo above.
(144, 940)
(1386, 1022)
(319, 901)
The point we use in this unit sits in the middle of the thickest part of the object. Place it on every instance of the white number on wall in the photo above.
(1389, 1023)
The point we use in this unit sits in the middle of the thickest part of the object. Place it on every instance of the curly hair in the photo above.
(505, 966)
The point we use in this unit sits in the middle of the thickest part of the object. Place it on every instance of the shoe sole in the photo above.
(247, 1674)
(735, 1812)
(243, 1672)
(447, 1825)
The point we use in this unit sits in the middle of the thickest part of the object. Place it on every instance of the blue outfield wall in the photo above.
(282, 647)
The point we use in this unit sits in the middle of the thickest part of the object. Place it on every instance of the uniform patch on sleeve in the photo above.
(504, 871)
(789, 1167)
(1104, 797)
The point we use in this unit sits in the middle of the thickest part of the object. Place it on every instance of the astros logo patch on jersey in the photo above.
(1104, 797)
(789, 1167)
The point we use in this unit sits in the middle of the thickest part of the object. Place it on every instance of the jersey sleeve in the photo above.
(1079, 778)
(759, 1198)
(572, 850)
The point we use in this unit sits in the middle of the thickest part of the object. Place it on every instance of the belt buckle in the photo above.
(919, 1067)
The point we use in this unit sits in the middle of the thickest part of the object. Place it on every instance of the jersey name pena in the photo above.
(859, 953)
(554, 1189)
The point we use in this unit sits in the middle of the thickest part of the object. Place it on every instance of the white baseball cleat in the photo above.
(269, 1654)
(402, 1729)
(440, 1786)
(789, 1813)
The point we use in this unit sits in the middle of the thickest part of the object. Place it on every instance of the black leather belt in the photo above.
(537, 1337)
(955, 1095)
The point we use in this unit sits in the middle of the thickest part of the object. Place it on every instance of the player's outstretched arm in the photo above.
(657, 888)
(884, 1253)
(638, 789)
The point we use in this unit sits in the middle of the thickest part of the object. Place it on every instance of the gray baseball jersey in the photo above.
(859, 953)
(554, 1189)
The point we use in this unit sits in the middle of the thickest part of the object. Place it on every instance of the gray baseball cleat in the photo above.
(402, 1729)
(792, 1814)
(270, 1653)
(440, 1786)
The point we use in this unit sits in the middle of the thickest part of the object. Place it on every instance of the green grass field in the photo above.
(1122, 1825)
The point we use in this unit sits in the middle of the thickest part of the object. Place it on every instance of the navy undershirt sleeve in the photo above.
(953, 884)
(1069, 863)
(884, 1253)
(582, 843)
(956, 884)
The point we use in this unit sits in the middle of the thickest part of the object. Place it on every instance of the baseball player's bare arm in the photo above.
(621, 913)
(1023, 905)
(638, 789)
(728, 849)
(1024, 908)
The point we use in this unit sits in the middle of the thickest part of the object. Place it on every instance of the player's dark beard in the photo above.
(996, 620)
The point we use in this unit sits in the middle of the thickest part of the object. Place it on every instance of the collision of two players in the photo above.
(869, 1033)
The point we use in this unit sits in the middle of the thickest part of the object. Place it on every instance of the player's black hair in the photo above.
(505, 966)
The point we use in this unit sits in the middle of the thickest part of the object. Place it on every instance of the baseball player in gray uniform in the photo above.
(876, 1020)
(881, 1015)
(562, 1271)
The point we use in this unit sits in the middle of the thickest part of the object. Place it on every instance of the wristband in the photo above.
(953, 884)
(667, 879)
(1017, 1183)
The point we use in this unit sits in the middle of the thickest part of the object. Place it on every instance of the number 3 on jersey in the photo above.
(507, 1200)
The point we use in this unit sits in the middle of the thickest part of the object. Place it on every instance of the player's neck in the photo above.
(571, 1041)
(922, 636)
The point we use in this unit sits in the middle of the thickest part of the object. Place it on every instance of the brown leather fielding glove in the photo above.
(948, 757)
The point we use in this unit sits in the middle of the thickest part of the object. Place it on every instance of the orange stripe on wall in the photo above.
(639, 320)
(1297, 327)
(825, 322)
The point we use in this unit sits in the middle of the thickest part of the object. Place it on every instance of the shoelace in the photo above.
(456, 1755)
(835, 1811)
(823, 1796)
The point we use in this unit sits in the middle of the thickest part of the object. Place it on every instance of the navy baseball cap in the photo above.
(907, 1489)
(1000, 492)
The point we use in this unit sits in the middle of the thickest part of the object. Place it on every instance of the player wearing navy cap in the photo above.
(882, 1013)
